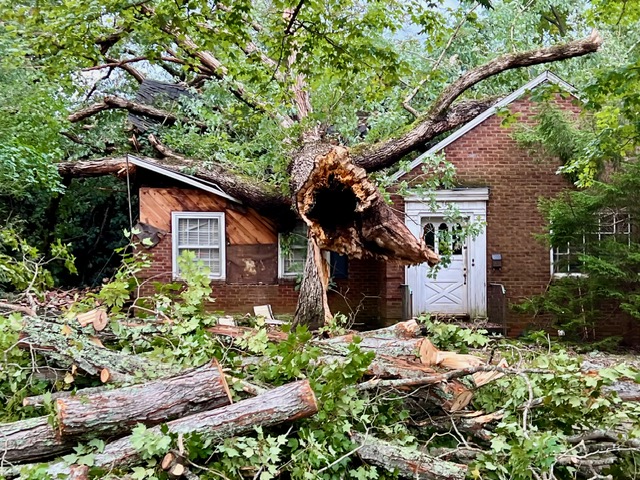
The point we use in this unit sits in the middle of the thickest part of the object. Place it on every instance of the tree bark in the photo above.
(239, 332)
(39, 400)
(407, 463)
(345, 213)
(312, 308)
(65, 345)
(31, 440)
(283, 404)
(116, 411)
(267, 202)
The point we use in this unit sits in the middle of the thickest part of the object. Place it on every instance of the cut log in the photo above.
(31, 440)
(66, 346)
(39, 400)
(407, 463)
(402, 330)
(283, 404)
(239, 332)
(117, 411)
(408, 349)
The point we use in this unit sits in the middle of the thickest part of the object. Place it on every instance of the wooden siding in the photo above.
(244, 226)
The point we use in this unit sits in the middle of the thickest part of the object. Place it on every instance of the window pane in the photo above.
(444, 240)
(200, 235)
(293, 250)
(457, 239)
(430, 236)
(198, 231)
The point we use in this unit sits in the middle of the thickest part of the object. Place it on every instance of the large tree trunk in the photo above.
(283, 404)
(117, 411)
(345, 213)
(31, 440)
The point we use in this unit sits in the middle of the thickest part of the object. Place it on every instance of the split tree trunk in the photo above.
(117, 411)
(345, 213)
(407, 463)
(283, 404)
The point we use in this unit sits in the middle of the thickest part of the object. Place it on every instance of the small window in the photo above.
(202, 233)
(430, 236)
(292, 252)
(612, 225)
(338, 266)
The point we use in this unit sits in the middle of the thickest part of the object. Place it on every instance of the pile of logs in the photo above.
(437, 387)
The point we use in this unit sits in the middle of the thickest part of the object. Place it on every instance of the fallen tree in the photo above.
(329, 187)
(64, 344)
(406, 462)
(116, 411)
(375, 369)
(283, 404)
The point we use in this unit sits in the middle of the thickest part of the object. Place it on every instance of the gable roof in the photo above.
(182, 177)
(545, 77)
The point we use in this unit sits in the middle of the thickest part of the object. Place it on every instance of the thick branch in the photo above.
(385, 154)
(111, 102)
(443, 117)
(577, 48)
(253, 194)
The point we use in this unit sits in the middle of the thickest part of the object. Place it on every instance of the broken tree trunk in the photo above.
(117, 411)
(283, 404)
(406, 462)
(31, 440)
(66, 346)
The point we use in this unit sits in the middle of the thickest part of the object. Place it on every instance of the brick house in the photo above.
(499, 183)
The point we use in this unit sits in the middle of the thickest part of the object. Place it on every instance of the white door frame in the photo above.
(471, 203)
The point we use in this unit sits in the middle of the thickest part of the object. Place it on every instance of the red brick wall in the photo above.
(357, 294)
(488, 156)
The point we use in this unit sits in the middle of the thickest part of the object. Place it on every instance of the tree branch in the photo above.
(219, 71)
(577, 48)
(252, 193)
(113, 102)
(385, 154)
(443, 117)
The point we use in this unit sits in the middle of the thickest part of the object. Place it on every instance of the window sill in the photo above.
(569, 275)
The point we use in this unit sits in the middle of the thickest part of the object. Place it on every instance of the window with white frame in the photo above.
(292, 252)
(612, 225)
(203, 234)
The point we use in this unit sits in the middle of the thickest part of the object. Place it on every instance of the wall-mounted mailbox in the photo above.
(496, 261)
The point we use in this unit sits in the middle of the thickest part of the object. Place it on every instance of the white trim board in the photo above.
(545, 77)
(182, 177)
(222, 241)
(454, 195)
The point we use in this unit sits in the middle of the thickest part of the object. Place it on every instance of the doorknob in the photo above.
(465, 278)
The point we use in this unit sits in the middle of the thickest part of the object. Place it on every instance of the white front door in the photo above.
(445, 287)
(458, 288)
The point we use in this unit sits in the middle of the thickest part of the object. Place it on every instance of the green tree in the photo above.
(269, 89)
